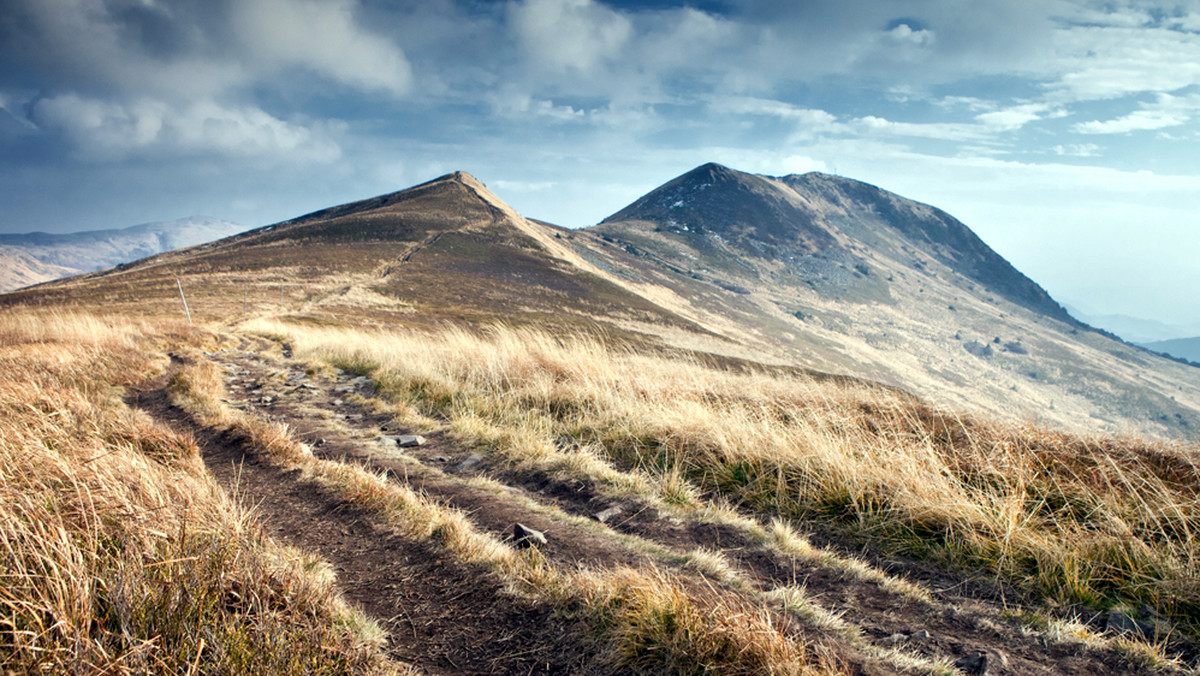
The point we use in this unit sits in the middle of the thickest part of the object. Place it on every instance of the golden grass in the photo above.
(1103, 521)
(118, 554)
(652, 622)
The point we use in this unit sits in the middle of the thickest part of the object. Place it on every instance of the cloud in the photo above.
(748, 105)
(104, 131)
(565, 35)
(1166, 111)
(943, 131)
(1077, 150)
(1103, 62)
(321, 35)
(904, 33)
(1015, 117)
(513, 104)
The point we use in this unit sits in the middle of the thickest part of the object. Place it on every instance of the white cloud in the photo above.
(105, 131)
(1077, 150)
(905, 34)
(1015, 117)
(564, 35)
(748, 105)
(513, 104)
(943, 131)
(1166, 111)
(1098, 63)
(324, 36)
(524, 186)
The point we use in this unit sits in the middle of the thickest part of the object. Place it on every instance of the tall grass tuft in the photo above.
(1106, 521)
(118, 554)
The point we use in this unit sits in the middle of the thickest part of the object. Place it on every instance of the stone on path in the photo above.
(410, 440)
(525, 537)
(605, 515)
(471, 461)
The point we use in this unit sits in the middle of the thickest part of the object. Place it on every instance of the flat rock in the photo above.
(604, 516)
(390, 442)
(525, 537)
(410, 440)
(471, 461)
(975, 663)
(1122, 624)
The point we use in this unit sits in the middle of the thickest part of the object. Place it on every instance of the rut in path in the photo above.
(951, 628)
(441, 616)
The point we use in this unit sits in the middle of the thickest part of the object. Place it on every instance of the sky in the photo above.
(1066, 133)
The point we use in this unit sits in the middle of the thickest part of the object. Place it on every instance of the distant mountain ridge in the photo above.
(37, 257)
(1183, 348)
(812, 273)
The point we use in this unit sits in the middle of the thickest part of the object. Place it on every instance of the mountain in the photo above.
(810, 272)
(812, 219)
(841, 276)
(1134, 329)
(1183, 348)
(18, 269)
(38, 256)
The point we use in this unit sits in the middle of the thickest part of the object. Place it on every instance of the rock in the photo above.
(410, 440)
(337, 402)
(975, 663)
(266, 400)
(919, 635)
(604, 515)
(471, 461)
(390, 442)
(897, 639)
(524, 537)
(1120, 623)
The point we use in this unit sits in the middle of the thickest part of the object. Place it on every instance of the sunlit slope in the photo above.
(838, 275)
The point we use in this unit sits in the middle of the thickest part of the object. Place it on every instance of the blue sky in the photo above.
(1065, 133)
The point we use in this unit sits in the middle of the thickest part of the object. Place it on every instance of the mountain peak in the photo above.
(791, 217)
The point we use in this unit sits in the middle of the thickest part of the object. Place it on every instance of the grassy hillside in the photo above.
(123, 553)
(119, 554)
(1102, 521)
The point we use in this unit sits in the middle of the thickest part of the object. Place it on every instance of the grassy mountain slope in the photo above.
(840, 276)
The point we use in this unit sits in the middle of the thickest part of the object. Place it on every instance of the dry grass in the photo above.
(1103, 521)
(652, 622)
(117, 553)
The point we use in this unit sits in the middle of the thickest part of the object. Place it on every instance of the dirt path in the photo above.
(446, 617)
(441, 615)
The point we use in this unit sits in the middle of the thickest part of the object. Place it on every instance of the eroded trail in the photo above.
(449, 617)
(442, 616)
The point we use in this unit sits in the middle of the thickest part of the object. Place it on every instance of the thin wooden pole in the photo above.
(184, 298)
